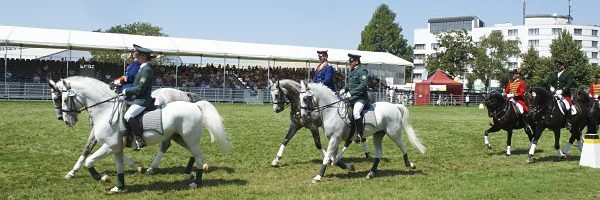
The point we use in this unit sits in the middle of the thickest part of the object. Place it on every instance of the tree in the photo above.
(455, 51)
(491, 57)
(535, 70)
(382, 34)
(564, 49)
(137, 28)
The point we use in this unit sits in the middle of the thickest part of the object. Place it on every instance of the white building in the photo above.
(538, 31)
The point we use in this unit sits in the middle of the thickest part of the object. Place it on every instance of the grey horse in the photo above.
(286, 92)
(162, 96)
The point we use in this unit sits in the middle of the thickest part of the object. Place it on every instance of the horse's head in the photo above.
(494, 100)
(278, 96)
(582, 97)
(193, 97)
(69, 102)
(56, 99)
(307, 103)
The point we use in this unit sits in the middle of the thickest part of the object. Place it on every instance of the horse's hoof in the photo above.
(70, 175)
(150, 171)
(367, 156)
(507, 155)
(188, 176)
(105, 178)
(275, 163)
(139, 169)
(530, 159)
(370, 175)
(316, 179)
(205, 167)
(488, 146)
(115, 190)
(193, 185)
(412, 166)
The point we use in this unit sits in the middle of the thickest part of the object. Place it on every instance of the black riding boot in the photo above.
(568, 116)
(526, 126)
(360, 128)
(137, 130)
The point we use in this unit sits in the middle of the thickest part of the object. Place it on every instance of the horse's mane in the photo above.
(324, 91)
(87, 82)
(542, 95)
(292, 87)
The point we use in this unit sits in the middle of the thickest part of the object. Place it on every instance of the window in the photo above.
(512, 65)
(513, 32)
(578, 42)
(497, 31)
(419, 66)
(556, 31)
(594, 43)
(534, 43)
(595, 55)
(419, 56)
(419, 46)
(594, 32)
(577, 31)
(435, 45)
(534, 31)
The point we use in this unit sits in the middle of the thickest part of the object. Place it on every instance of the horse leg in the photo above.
(164, 146)
(291, 132)
(120, 174)
(570, 143)
(536, 136)
(91, 142)
(395, 136)
(557, 144)
(508, 141)
(102, 152)
(331, 147)
(378, 146)
(187, 172)
(486, 133)
(199, 159)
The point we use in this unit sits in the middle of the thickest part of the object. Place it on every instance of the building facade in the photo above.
(538, 31)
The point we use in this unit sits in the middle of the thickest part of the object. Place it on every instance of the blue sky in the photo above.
(319, 23)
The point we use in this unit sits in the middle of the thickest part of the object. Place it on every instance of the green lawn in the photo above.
(36, 151)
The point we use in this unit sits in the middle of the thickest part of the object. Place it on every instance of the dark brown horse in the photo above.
(504, 115)
(548, 114)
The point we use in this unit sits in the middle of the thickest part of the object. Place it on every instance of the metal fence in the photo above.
(41, 91)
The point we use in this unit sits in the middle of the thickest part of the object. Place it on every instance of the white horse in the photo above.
(182, 120)
(163, 96)
(384, 119)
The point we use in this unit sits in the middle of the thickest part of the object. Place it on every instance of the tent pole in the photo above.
(124, 62)
(268, 70)
(224, 71)
(68, 62)
(380, 71)
(307, 71)
(5, 70)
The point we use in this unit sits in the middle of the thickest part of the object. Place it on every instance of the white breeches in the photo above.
(134, 110)
(518, 105)
(358, 107)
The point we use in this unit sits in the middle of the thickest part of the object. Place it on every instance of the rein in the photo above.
(72, 100)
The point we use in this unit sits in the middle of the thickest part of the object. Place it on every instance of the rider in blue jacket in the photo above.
(324, 73)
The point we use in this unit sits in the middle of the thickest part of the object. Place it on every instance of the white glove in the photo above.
(552, 89)
(117, 82)
(503, 94)
(595, 96)
(559, 92)
(510, 95)
(346, 95)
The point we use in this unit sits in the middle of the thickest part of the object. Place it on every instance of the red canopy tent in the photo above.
(422, 89)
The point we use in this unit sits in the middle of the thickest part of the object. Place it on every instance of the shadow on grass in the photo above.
(181, 169)
(554, 158)
(519, 152)
(380, 173)
(348, 160)
(183, 185)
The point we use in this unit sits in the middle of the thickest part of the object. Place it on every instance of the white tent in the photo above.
(86, 40)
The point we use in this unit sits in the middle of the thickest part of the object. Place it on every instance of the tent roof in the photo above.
(440, 78)
(87, 40)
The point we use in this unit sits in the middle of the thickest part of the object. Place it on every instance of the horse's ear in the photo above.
(51, 84)
(66, 84)
(303, 85)
(270, 82)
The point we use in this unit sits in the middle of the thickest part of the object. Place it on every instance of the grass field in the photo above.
(36, 151)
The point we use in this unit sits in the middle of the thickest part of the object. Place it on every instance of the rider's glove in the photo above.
(552, 89)
(595, 96)
(346, 95)
(559, 92)
(510, 95)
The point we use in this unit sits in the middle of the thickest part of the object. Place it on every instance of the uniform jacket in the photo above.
(517, 87)
(130, 73)
(142, 87)
(564, 82)
(325, 76)
(357, 84)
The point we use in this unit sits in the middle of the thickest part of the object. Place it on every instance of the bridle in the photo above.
(72, 100)
(280, 99)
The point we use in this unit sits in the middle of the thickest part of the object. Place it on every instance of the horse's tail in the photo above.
(412, 136)
(214, 123)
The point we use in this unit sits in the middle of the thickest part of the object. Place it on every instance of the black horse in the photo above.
(591, 111)
(547, 114)
(505, 117)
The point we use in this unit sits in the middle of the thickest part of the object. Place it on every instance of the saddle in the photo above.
(150, 119)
